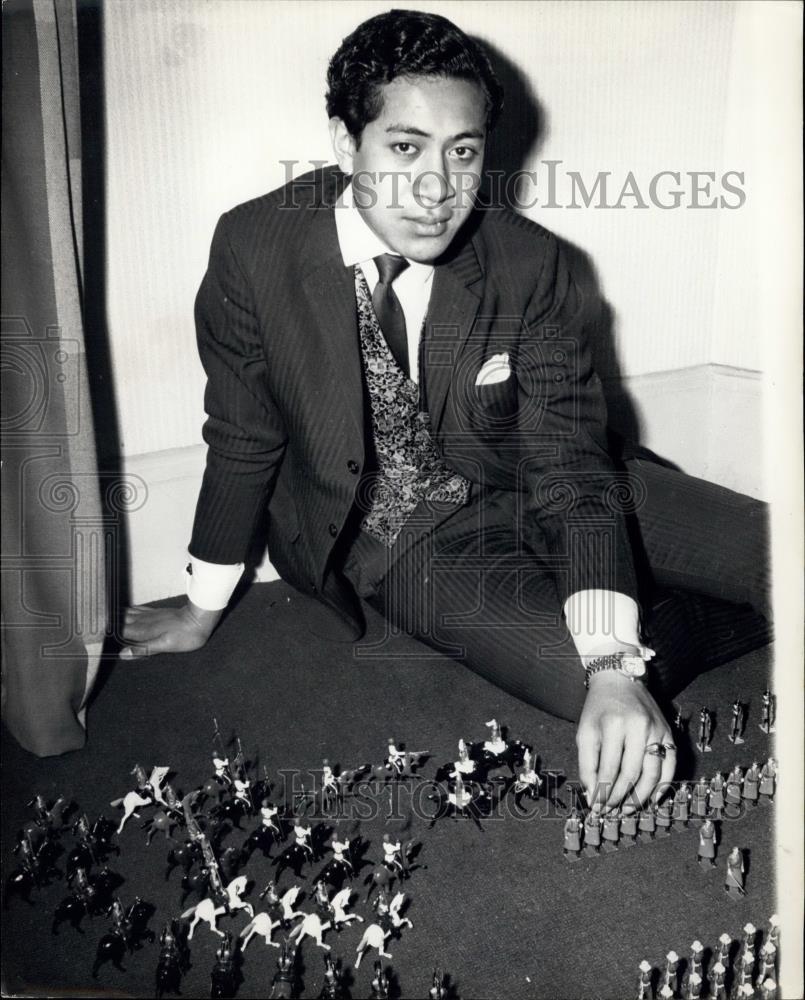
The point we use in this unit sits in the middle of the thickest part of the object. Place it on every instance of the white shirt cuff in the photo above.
(210, 585)
(602, 620)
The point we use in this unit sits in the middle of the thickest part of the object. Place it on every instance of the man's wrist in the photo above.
(204, 619)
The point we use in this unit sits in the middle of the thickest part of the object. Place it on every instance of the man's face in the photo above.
(418, 167)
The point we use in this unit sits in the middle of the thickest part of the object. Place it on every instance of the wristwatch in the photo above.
(630, 664)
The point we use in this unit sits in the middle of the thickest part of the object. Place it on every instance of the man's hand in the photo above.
(619, 720)
(166, 630)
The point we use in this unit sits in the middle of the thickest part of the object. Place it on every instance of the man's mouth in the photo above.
(430, 225)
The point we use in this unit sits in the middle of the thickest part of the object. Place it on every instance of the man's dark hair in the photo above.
(403, 43)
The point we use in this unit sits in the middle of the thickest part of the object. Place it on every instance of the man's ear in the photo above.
(344, 145)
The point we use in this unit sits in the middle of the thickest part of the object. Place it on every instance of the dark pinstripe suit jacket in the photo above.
(287, 418)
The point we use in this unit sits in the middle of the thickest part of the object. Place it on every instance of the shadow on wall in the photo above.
(514, 144)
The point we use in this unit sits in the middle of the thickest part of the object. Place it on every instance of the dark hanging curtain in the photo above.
(54, 611)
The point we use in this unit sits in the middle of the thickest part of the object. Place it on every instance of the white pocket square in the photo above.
(496, 369)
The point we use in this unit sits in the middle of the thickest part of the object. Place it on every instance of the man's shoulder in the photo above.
(507, 232)
(288, 206)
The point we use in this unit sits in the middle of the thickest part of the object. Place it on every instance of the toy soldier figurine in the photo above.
(733, 793)
(438, 990)
(663, 812)
(737, 722)
(696, 955)
(768, 776)
(718, 981)
(774, 930)
(592, 832)
(644, 983)
(723, 953)
(380, 983)
(572, 847)
(680, 724)
(767, 712)
(465, 764)
(394, 757)
(495, 745)
(611, 832)
(332, 988)
(716, 805)
(694, 990)
(698, 800)
(671, 973)
(705, 731)
(746, 971)
(628, 829)
(681, 806)
(707, 844)
(734, 878)
(528, 781)
(768, 989)
(750, 784)
(768, 959)
(141, 779)
(647, 823)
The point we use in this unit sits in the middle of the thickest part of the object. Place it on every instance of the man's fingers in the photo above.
(589, 745)
(630, 770)
(609, 764)
(668, 769)
(652, 768)
(162, 643)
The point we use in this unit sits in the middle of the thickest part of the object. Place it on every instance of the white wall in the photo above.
(206, 97)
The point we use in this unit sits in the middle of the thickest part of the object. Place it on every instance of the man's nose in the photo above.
(434, 185)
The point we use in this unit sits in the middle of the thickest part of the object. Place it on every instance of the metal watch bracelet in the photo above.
(612, 661)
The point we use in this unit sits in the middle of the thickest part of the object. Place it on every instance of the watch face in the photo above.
(633, 666)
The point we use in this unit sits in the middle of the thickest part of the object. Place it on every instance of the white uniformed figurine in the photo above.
(768, 989)
(267, 813)
(644, 984)
(339, 849)
(242, 789)
(391, 853)
(671, 966)
(395, 758)
(724, 945)
(696, 955)
(694, 990)
(303, 834)
(495, 744)
(328, 778)
(774, 930)
(221, 765)
(464, 764)
(768, 957)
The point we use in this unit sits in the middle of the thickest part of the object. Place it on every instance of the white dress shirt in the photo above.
(598, 620)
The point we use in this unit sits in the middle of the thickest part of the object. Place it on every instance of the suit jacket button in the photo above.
(332, 529)
(353, 467)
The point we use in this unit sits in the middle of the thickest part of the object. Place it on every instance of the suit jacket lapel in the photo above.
(454, 303)
(330, 291)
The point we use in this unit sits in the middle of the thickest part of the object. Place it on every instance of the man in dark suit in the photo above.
(401, 377)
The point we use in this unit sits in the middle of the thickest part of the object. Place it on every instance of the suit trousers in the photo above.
(467, 587)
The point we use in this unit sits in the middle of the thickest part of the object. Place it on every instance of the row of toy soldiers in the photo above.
(746, 982)
(767, 718)
(720, 795)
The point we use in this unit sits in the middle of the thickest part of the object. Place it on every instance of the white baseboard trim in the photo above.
(707, 419)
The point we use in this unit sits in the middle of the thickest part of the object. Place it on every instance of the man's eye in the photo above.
(464, 153)
(406, 148)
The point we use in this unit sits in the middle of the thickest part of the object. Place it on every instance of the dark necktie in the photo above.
(388, 309)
